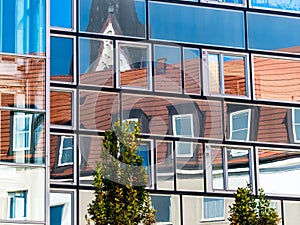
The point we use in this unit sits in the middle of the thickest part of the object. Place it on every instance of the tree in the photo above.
(247, 210)
(120, 180)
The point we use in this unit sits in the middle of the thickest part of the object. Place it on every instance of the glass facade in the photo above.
(214, 85)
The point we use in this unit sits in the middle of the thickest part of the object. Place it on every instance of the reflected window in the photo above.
(22, 26)
(61, 208)
(66, 151)
(22, 132)
(226, 74)
(292, 5)
(228, 167)
(145, 152)
(296, 124)
(134, 70)
(162, 205)
(61, 66)
(240, 125)
(17, 205)
(167, 68)
(183, 126)
(137, 115)
(213, 208)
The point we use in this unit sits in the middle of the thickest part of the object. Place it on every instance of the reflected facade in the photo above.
(213, 84)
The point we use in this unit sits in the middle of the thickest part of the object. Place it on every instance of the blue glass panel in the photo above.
(213, 208)
(162, 205)
(275, 33)
(22, 26)
(196, 25)
(297, 116)
(56, 214)
(290, 5)
(240, 135)
(240, 120)
(297, 129)
(61, 13)
(119, 17)
(61, 50)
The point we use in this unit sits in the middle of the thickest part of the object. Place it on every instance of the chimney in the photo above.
(161, 66)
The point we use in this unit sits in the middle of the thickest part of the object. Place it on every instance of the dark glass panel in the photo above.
(61, 63)
(120, 17)
(196, 25)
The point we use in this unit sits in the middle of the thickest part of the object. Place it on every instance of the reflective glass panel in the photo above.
(164, 165)
(292, 5)
(276, 78)
(61, 65)
(238, 165)
(98, 110)
(167, 68)
(189, 169)
(269, 32)
(134, 66)
(121, 17)
(156, 115)
(22, 82)
(22, 195)
(291, 212)
(85, 197)
(192, 71)
(61, 208)
(167, 209)
(90, 150)
(214, 73)
(22, 137)
(62, 157)
(296, 124)
(22, 26)
(279, 171)
(239, 125)
(61, 13)
(61, 107)
(214, 24)
(96, 62)
(217, 170)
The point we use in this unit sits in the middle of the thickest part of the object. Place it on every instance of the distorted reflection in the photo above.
(279, 171)
(118, 17)
(96, 62)
(61, 208)
(291, 5)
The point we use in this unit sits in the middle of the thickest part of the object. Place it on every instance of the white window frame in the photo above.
(294, 124)
(206, 75)
(15, 120)
(149, 68)
(177, 143)
(12, 195)
(225, 170)
(61, 149)
(213, 218)
(248, 111)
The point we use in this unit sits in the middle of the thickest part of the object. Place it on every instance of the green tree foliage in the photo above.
(247, 210)
(120, 181)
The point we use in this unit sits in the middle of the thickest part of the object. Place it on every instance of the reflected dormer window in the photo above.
(240, 125)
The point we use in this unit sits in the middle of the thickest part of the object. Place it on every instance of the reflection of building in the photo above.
(214, 86)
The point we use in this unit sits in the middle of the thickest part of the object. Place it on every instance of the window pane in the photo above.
(61, 108)
(240, 135)
(268, 32)
(61, 208)
(213, 208)
(164, 165)
(22, 82)
(61, 13)
(214, 73)
(276, 79)
(23, 193)
(96, 62)
(96, 17)
(61, 66)
(215, 23)
(61, 161)
(98, 110)
(25, 33)
(216, 154)
(239, 120)
(189, 170)
(238, 168)
(296, 116)
(292, 5)
(134, 66)
(192, 71)
(234, 75)
(279, 171)
(167, 68)
(183, 125)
